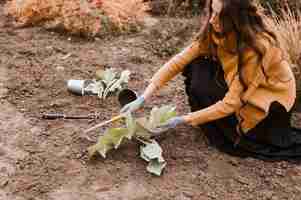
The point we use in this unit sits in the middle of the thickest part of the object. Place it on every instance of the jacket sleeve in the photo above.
(178, 62)
(227, 106)
(175, 65)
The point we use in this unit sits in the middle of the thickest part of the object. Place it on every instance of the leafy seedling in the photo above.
(111, 139)
(108, 82)
(140, 129)
(117, 84)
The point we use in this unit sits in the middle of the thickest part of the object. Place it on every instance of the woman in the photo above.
(240, 87)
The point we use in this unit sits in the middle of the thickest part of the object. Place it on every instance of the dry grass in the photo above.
(124, 13)
(87, 17)
(287, 27)
(288, 31)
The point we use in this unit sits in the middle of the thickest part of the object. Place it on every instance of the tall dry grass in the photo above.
(287, 27)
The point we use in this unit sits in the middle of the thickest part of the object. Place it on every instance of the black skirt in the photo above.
(273, 138)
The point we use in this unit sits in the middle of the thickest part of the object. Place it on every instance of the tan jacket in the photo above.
(251, 105)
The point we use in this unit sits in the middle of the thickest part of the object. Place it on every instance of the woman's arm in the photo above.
(175, 66)
(168, 71)
(230, 103)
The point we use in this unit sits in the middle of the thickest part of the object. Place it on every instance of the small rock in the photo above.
(268, 194)
(182, 197)
(3, 183)
(187, 160)
(298, 188)
(275, 198)
(49, 47)
(188, 195)
(242, 180)
(66, 56)
(234, 162)
(279, 172)
(60, 68)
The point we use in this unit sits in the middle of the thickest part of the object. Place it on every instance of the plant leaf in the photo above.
(107, 90)
(99, 74)
(167, 112)
(152, 153)
(102, 146)
(117, 136)
(160, 116)
(125, 76)
(96, 87)
(112, 138)
(141, 130)
(156, 167)
(117, 84)
(143, 156)
(152, 150)
(110, 82)
(131, 125)
(108, 76)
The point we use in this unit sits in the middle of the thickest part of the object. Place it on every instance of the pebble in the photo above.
(242, 180)
(268, 194)
(298, 188)
(275, 198)
(3, 183)
(279, 172)
(182, 197)
(234, 162)
(60, 68)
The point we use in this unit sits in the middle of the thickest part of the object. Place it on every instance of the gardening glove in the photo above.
(133, 106)
(172, 123)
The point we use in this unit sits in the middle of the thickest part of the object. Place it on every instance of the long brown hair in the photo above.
(244, 19)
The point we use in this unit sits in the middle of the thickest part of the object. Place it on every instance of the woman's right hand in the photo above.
(134, 105)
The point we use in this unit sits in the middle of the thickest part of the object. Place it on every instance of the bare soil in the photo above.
(47, 160)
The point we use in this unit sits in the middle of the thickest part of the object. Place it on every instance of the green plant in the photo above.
(139, 129)
(108, 82)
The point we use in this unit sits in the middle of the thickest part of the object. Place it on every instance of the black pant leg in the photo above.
(275, 129)
(203, 83)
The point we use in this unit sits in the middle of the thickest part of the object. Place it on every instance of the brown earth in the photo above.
(47, 160)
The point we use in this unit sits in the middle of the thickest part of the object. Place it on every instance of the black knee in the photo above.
(205, 78)
(201, 74)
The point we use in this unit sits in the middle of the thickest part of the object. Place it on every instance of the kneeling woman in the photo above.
(240, 87)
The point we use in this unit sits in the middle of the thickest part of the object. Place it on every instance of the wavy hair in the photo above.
(244, 19)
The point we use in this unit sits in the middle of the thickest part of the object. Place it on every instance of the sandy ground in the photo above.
(47, 160)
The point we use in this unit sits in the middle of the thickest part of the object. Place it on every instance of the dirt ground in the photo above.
(47, 160)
